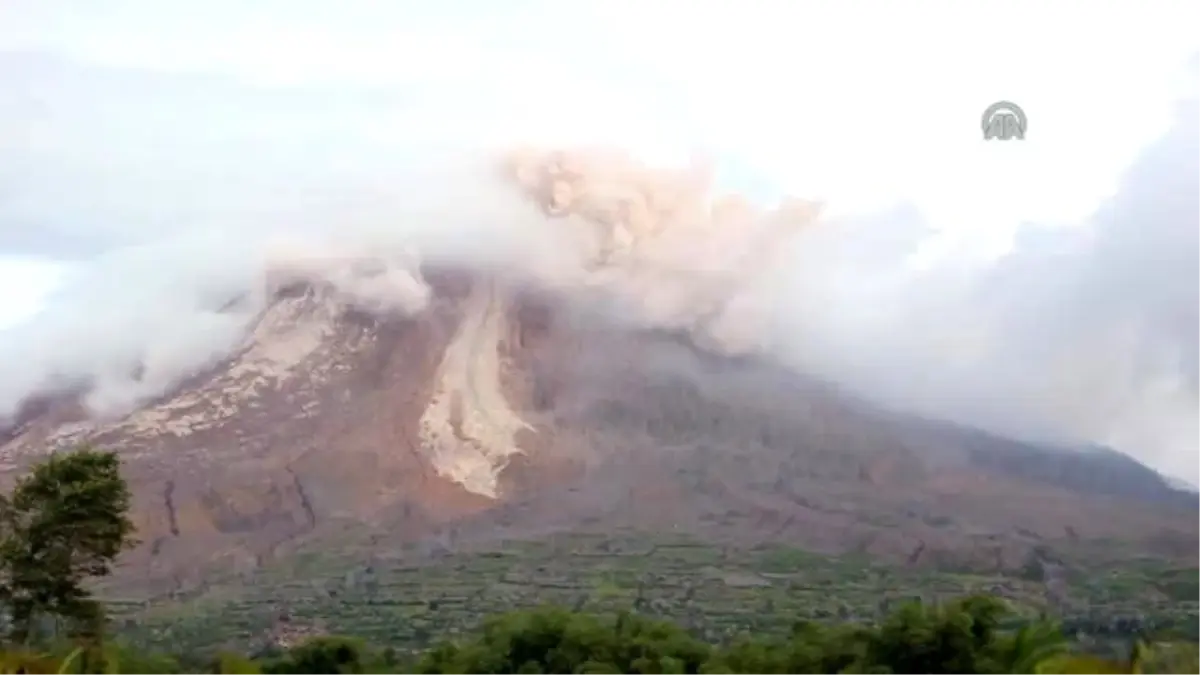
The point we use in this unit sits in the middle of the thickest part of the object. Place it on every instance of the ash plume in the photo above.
(651, 243)
(178, 243)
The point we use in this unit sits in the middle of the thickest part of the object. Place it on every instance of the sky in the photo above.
(134, 125)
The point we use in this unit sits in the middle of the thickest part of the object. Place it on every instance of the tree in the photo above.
(65, 522)
(556, 640)
(811, 648)
(325, 654)
(960, 637)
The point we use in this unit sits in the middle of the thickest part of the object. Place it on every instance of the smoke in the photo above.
(1080, 336)
(137, 320)
(180, 202)
(187, 243)
(668, 250)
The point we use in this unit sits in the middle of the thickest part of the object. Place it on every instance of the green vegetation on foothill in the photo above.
(409, 598)
(627, 602)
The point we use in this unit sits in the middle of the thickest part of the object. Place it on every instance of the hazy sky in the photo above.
(862, 103)
(139, 123)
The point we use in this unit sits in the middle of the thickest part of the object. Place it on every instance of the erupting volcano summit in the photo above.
(623, 381)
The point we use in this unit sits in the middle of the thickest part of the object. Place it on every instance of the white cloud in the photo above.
(27, 282)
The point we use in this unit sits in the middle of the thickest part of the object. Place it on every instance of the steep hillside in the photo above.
(376, 403)
(473, 422)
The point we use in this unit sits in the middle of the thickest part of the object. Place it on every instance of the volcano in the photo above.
(488, 405)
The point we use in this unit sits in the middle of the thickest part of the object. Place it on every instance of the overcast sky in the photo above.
(134, 124)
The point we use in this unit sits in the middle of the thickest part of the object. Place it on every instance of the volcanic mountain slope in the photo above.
(480, 419)
(395, 400)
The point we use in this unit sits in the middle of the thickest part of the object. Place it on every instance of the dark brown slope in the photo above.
(741, 449)
(312, 432)
(251, 456)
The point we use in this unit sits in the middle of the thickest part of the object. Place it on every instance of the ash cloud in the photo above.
(173, 195)
(195, 206)
(1079, 336)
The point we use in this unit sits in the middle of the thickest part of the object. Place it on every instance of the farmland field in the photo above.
(408, 599)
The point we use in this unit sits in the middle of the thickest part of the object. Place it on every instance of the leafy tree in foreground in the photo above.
(65, 522)
(326, 654)
(556, 640)
(958, 637)
(811, 648)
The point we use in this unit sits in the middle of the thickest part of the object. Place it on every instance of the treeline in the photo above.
(958, 637)
(67, 521)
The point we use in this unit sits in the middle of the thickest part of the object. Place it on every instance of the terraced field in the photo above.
(412, 597)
